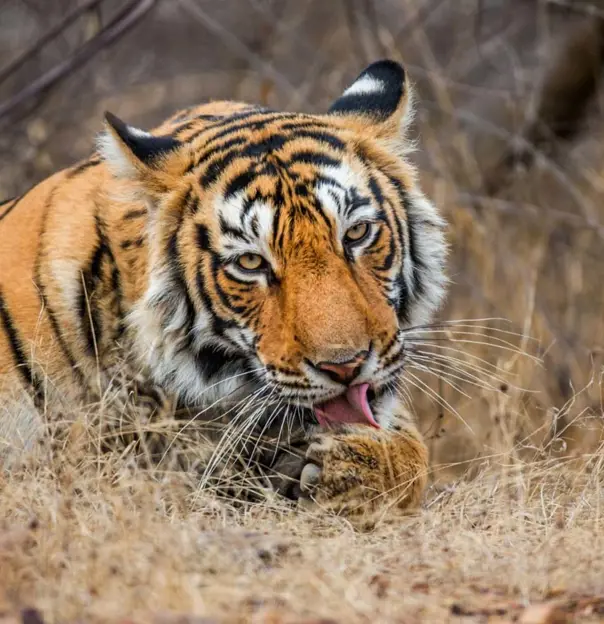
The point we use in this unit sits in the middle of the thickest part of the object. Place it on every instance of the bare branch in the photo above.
(236, 45)
(47, 37)
(118, 26)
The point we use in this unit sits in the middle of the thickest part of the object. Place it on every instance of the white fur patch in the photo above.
(327, 194)
(231, 212)
(161, 324)
(20, 427)
(66, 274)
(431, 247)
(116, 155)
(365, 86)
(137, 132)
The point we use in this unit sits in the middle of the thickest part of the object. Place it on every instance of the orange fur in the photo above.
(115, 263)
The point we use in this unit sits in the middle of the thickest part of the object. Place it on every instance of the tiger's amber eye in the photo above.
(250, 262)
(357, 232)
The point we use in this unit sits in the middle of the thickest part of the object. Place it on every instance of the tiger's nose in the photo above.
(344, 372)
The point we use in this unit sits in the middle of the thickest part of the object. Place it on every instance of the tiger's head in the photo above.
(286, 250)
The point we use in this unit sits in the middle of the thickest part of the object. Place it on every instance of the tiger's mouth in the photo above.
(354, 406)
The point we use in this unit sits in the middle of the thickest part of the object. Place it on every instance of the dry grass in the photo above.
(100, 540)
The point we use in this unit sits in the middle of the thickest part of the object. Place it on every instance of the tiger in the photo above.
(273, 261)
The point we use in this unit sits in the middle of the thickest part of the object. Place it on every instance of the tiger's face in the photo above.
(295, 249)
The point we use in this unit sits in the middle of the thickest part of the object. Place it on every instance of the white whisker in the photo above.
(422, 386)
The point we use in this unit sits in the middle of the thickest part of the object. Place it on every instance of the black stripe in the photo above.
(203, 237)
(116, 288)
(203, 117)
(376, 191)
(310, 157)
(278, 194)
(179, 277)
(305, 122)
(246, 285)
(56, 327)
(232, 125)
(267, 145)
(418, 264)
(181, 115)
(75, 171)
(337, 200)
(178, 273)
(223, 155)
(301, 189)
(328, 181)
(389, 259)
(248, 202)
(322, 214)
(228, 230)
(216, 167)
(18, 352)
(135, 214)
(116, 281)
(278, 233)
(88, 311)
(320, 136)
(379, 199)
(189, 123)
(239, 183)
(224, 298)
(404, 299)
(355, 202)
(232, 128)
(219, 151)
(255, 226)
(11, 207)
(211, 360)
(403, 304)
(91, 320)
(219, 325)
(137, 242)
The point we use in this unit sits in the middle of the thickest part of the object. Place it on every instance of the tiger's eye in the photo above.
(357, 232)
(250, 262)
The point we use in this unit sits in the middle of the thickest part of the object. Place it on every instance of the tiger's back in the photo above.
(72, 261)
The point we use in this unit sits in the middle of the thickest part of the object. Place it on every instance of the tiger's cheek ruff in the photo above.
(176, 339)
(428, 253)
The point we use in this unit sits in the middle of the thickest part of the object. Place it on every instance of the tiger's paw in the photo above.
(360, 474)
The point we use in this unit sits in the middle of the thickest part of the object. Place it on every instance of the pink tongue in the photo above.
(353, 407)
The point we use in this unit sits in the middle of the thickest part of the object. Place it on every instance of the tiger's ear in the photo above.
(380, 98)
(137, 155)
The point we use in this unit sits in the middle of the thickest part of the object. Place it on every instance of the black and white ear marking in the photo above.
(378, 92)
(124, 146)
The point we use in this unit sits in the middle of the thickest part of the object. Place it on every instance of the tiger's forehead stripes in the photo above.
(328, 198)
(217, 146)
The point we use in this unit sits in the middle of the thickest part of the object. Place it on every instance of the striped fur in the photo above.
(129, 260)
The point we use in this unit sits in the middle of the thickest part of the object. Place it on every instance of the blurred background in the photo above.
(510, 135)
